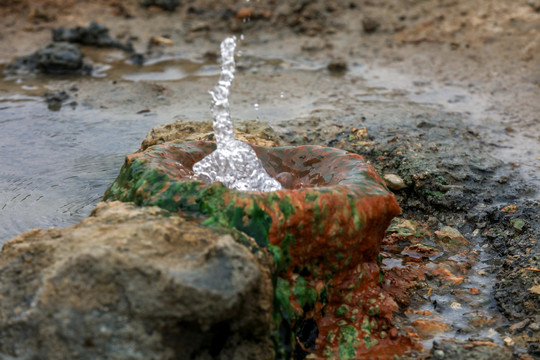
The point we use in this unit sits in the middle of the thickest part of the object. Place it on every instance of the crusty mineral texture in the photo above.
(133, 283)
(253, 132)
(323, 231)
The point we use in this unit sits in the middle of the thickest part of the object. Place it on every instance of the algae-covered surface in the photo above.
(323, 236)
(441, 93)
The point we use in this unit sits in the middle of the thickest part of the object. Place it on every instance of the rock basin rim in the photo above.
(286, 172)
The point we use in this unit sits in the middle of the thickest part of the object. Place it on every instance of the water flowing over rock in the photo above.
(132, 283)
(234, 163)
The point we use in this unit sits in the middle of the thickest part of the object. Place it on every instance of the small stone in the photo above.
(509, 209)
(508, 341)
(519, 326)
(420, 251)
(244, 13)
(455, 305)
(517, 224)
(198, 26)
(55, 99)
(451, 238)
(160, 40)
(428, 328)
(474, 291)
(137, 59)
(92, 35)
(370, 25)
(394, 182)
(337, 66)
(439, 354)
(59, 57)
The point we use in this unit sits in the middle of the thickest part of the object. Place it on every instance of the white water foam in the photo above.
(233, 163)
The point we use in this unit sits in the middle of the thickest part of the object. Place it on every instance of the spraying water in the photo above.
(233, 163)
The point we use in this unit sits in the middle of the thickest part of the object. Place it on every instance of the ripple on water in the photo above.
(55, 166)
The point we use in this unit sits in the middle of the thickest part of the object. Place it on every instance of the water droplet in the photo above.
(239, 53)
(282, 95)
(256, 107)
(242, 37)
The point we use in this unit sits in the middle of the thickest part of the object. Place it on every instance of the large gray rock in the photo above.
(133, 283)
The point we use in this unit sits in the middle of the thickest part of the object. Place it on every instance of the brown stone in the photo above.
(451, 238)
(519, 326)
(474, 291)
(137, 281)
(428, 328)
(244, 13)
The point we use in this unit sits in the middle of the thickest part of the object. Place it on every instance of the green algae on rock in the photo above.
(324, 233)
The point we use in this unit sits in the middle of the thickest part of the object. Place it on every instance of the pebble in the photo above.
(455, 305)
(370, 25)
(508, 341)
(438, 354)
(519, 326)
(244, 13)
(394, 182)
(517, 224)
(337, 66)
(474, 291)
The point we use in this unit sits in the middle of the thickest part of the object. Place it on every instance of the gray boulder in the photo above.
(133, 283)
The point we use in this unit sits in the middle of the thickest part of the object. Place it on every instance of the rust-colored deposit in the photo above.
(324, 233)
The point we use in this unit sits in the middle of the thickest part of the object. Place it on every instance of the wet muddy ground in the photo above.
(443, 94)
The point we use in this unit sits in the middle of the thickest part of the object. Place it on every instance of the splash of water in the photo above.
(233, 163)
